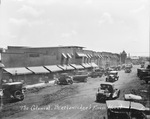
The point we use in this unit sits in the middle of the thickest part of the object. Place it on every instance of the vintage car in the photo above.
(116, 68)
(12, 92)
(107, 91)
(98, 72)
(64, 79)
(127, 69)
(107, 71)
(80, 76)
(144, 73)
(146, 78)
(112, 76)
(141, 72)
(120, 109)
(142, 66)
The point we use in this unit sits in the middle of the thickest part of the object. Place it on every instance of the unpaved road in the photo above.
(76, 101)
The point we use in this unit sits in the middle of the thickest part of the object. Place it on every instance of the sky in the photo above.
(98, 25)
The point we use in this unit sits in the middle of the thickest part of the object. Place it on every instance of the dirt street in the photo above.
(76, 101)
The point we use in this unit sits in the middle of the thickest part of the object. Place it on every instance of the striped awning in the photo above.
(81, 55)
(66, 67)
(38, 69)
(53, 68)
(93, 65)
(69, 55)
(63, 54)
(77, 66)
(86, 65)
(88, 55)
(100, 56)
(18, 70)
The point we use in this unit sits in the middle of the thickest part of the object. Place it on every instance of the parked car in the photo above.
(80, 76)
(143, 72)
(64, 79)
(127, 69)
(107, 91)
(146, 78)
(107, 71)
(120, 109)
(142, 65)
(112, 76)
(98, 72)
(12, 92)
(116, 68)
(140, 71)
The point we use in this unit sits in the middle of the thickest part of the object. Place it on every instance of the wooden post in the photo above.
(1, 75)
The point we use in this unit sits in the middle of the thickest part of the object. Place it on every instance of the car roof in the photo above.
(113, 71)
(118, 104)
(107, 83)
(64, 74)
(13, 83)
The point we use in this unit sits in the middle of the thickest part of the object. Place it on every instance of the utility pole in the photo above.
(1, 75)
(149, 52)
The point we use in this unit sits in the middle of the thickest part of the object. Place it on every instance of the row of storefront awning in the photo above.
(67, 55)
(47, 68)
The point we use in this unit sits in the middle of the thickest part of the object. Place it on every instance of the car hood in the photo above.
(103, 91)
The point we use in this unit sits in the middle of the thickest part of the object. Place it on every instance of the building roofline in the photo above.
(27, 47)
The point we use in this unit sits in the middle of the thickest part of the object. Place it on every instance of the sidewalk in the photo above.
(40, 85)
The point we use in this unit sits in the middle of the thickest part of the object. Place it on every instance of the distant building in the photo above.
(135, 59)
(123, 57)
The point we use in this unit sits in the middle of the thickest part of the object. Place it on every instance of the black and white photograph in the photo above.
(74, 59)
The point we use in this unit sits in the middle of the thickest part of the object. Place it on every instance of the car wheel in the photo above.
(106, 80)
(70, 82)
(97, 99)
(18, 95)
(118, 94)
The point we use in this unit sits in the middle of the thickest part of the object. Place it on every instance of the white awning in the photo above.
(18, 70)
(86, 65)
(38, 69)
(94, 65)
(77, 66)
(53, 68)
(81, 55)
(66, 67)
(69, 55)
(63, 54)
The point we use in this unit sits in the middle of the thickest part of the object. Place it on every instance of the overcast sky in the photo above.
(99, 25)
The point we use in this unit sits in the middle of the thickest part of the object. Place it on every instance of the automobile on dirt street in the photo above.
(12, 92)
(112, 76)
(64, 79)
(98, 72)
(80, 76)
(107, 91)
(120, 109)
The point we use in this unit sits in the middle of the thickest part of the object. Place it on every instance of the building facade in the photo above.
(28, 63)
